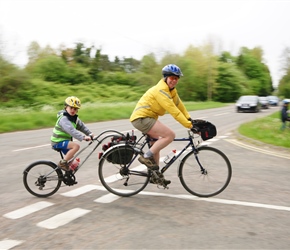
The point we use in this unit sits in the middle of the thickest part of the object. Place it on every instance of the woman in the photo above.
(154, 103)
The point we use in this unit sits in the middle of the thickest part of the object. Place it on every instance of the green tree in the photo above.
(116, 65)
(199, 67)
(51, 68)
(226, 57)
(105, 63)
(12, 81)
(82, 54)
(251, 63)
(95, 67)
(67, 54)
(284, 83)
(130, 65)
(148, 64)
(230, 83)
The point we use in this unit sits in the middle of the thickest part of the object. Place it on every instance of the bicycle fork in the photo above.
(202, 169)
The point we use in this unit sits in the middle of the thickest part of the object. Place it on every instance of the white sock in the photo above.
(148, 154)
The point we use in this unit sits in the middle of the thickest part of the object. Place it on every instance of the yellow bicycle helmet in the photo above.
(73, 102)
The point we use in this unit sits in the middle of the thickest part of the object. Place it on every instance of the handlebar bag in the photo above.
(207, 130)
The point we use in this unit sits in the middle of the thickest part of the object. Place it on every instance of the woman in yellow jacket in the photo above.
(154, 103)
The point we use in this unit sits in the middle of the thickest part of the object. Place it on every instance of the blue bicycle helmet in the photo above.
(171, 69)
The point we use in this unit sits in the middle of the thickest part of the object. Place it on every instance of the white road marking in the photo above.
(240, 144)
(213, 140)
(221, 201)
(223, 136)
(107, 198)
(195, 198)
(63, 218)
(19, 213)
(22, 149)
(221, 114)
(8, 244)
(79, 191)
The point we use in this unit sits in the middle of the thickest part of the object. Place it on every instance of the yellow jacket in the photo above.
(159, 99)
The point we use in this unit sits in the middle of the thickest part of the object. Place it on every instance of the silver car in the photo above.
(248, 103)
(264, 102)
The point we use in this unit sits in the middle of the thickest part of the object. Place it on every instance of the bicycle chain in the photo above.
(69, 179)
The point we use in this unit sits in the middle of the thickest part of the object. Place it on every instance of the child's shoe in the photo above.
(63, 164)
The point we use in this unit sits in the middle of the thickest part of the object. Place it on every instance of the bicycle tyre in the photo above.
(42, 179)
(122, 176)
(214, 181)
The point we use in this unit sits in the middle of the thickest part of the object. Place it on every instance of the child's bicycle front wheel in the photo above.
(42, 178)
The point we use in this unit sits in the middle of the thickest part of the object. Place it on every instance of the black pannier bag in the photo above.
(122, 154)
(207, 130)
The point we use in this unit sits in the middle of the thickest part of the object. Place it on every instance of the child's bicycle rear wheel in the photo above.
(120, 174)
(42, 178)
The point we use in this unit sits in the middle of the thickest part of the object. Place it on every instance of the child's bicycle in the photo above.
(44, 178)
(203, 171)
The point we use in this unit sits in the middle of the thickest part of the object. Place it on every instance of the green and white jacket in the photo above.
(68, 127)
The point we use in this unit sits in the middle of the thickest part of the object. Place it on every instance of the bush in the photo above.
(12, 81)
(50, 68)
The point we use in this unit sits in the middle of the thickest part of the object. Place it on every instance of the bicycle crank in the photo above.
(69, 179)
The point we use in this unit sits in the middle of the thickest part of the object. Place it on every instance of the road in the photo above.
(252, 213)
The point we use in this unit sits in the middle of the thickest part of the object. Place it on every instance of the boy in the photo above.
(67, 127)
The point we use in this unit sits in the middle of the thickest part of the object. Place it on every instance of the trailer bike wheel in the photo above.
(42, 178)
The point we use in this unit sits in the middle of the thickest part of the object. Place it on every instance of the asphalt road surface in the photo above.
(252, 213)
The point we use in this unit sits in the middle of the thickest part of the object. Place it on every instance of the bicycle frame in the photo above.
(97, 138)
(83, 149)
(203, 171)
(189, 139)
(43, 178)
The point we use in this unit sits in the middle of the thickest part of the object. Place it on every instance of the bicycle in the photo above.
(203, 171)
(44, 178)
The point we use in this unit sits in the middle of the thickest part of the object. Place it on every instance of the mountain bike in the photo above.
(44, 178)
(203, 171)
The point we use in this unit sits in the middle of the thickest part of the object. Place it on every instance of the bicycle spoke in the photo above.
(117, 177)
(208, 178)
(41, 179)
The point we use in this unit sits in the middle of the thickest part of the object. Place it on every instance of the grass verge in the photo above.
(267, 130)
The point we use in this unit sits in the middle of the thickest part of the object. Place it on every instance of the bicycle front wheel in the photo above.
(120, 174)
(205, 174)
(42, 179)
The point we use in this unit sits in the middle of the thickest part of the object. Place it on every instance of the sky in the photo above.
(134, 28)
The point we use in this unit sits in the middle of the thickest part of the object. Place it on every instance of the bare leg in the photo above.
(165, 136)
(74, 147)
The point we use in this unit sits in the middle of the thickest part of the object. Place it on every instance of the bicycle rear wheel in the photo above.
(209, 181)
(42, 179)
(120, 174)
